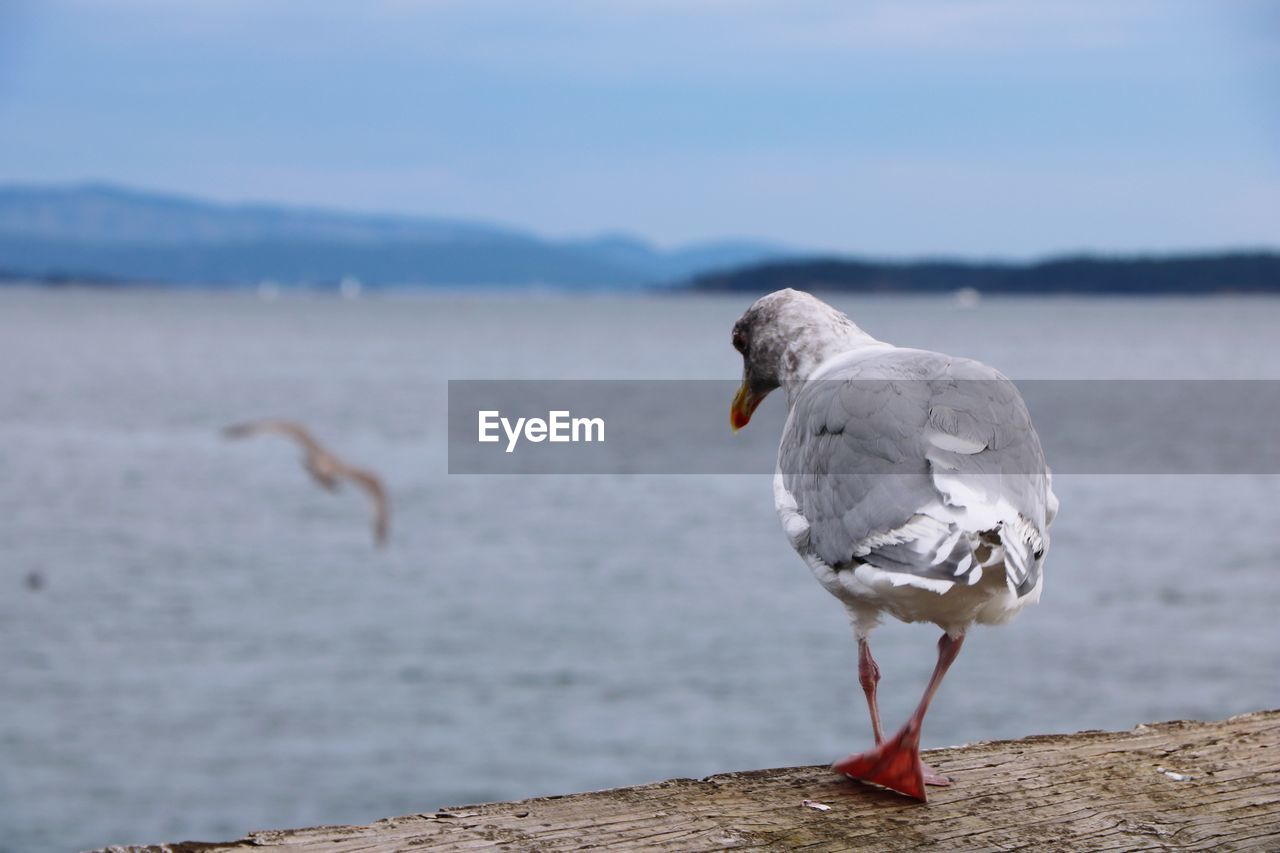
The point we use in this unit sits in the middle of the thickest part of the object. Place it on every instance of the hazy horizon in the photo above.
(789, 249)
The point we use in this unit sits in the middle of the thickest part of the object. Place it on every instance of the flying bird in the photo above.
(911, 483)
(324, 467)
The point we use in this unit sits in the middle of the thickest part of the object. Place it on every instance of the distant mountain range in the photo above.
(107, 233)
(1226, 272)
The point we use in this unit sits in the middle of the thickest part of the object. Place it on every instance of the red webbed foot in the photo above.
(894, 764)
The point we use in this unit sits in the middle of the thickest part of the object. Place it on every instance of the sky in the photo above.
(978, 128)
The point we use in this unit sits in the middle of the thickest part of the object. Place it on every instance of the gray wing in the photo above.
(919, 464)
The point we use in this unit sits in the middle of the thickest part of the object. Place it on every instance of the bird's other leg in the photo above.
(895, 763)
(869, 677)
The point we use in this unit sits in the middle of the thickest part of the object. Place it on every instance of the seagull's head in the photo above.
(782, 338)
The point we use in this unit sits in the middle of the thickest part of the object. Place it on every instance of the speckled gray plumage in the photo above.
(858, 458)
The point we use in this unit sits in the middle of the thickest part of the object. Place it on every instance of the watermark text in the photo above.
(559, 426)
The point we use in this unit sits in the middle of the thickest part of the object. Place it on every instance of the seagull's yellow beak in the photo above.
(743, 405)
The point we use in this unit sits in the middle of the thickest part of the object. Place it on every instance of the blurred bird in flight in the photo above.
(324, 467)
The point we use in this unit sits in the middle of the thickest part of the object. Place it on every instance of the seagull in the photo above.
(324, 467)
(912, 484)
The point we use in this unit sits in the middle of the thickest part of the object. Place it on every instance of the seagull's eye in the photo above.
(740, 342)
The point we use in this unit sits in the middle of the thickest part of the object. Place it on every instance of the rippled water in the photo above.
(216, 648)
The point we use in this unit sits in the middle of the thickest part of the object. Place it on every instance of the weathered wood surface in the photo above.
(1179, 785)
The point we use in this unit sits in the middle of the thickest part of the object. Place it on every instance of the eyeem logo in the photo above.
(560, 426)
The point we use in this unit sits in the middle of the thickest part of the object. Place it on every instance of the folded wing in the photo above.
(923, 466)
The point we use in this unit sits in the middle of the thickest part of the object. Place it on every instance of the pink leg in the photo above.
(895, 764)
(869, 677)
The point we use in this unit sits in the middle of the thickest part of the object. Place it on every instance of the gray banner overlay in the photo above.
(682, 426)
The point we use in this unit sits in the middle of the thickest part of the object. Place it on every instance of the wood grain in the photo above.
(1178, 785)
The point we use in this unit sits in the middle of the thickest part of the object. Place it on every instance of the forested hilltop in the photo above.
(1228, 272)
